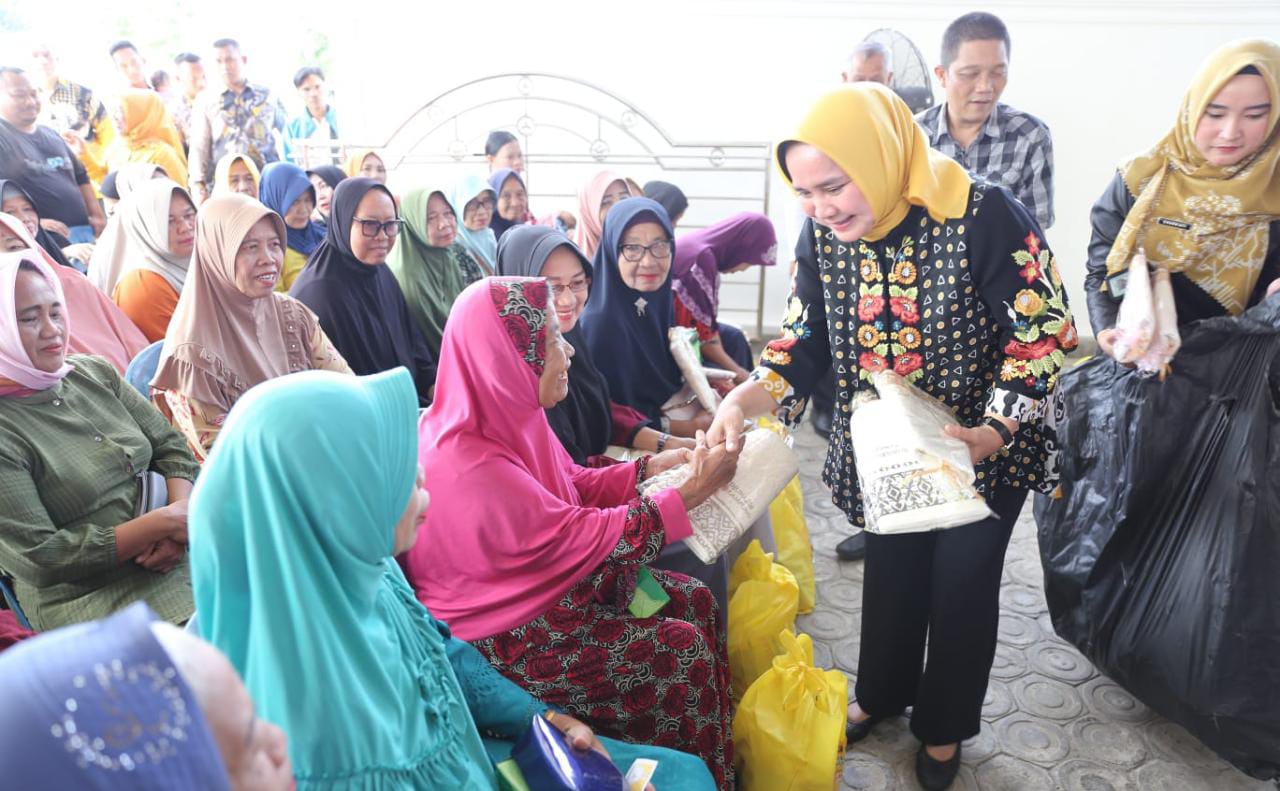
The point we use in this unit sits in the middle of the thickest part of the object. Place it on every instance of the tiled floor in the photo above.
(1050, 721)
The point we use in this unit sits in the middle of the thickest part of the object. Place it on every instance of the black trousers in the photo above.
(942, 588)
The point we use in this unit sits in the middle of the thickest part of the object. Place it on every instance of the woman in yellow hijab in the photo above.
(366, 162)
(1204, 202)
(907, 265)
(236, 173)
(147, 134)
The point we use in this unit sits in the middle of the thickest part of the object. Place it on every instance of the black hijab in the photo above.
(48, 241)
(669, 195)
(582, 420)
(331, 174)
(360, 307)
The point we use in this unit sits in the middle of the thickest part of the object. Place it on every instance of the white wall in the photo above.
(1106, 76)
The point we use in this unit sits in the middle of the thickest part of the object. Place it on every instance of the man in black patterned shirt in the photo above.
(991, 140)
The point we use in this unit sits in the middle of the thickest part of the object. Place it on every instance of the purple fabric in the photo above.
(100, 705)
(746, 238)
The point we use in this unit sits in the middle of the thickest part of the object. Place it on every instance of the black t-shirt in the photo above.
(47, 170)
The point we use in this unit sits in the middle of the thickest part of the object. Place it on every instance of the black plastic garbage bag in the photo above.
(1161, 550)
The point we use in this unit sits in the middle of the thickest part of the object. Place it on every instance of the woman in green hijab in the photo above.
(296, 584)
(430, 263)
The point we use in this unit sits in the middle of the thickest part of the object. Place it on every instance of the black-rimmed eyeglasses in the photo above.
(371, 228)
(660, 250)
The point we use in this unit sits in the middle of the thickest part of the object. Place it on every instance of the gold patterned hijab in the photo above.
(1209, 222)
(870, 133)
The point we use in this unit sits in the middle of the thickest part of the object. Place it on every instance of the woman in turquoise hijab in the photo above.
(477, 201)
(295, 582)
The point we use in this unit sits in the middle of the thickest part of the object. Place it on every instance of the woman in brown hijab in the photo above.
(231, 330)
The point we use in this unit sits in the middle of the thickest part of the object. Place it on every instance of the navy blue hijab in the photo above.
(629, 345)
(496, 179)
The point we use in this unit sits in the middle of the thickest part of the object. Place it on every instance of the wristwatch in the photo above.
(1006, 436)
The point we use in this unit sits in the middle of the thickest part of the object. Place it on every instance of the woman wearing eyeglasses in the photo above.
(626, 325)
(429, 263)
(587, 421)
(353, 293)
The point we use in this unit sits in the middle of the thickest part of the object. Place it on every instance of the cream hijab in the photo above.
(142, 222)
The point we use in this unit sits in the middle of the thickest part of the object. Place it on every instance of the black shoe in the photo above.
(822, 422)
(936, 775)
(857, 731)
(852, 548)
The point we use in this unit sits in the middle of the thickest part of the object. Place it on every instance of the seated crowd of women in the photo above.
(340, 379)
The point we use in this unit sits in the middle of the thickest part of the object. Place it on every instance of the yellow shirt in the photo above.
(293, 264)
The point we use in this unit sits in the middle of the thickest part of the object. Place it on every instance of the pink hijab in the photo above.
(589, 198)
(15, 363)
(506, 535)
(100, 327)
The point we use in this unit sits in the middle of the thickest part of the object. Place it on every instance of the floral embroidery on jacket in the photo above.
(881, 337)
(794, 329)
(1043, 329)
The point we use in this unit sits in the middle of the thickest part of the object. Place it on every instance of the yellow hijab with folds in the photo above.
(870, 133)
(355, 161)
(222, 172)
(1228, 209)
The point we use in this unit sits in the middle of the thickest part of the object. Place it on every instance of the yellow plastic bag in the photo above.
(763, 597)
(789, 729)
(791, 531)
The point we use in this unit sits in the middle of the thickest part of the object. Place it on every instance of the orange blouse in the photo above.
(148, 300)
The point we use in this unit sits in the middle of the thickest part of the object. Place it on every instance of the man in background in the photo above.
(130, 65)
(188, 73)
(38, 159)
(871, 61)
(308, 141)
(993, 141)
(73, 111)
(242, 118)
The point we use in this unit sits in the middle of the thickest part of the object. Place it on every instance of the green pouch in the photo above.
(510, 778)
(649, 597)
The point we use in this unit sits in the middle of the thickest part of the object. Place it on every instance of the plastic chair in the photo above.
(12, 601)
(142, 367)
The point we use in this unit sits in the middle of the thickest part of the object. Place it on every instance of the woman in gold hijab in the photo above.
(1204, 202)
(907, 265)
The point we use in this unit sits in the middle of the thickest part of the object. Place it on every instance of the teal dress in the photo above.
(292, 529)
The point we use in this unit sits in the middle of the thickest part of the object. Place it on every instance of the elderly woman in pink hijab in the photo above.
(536, 561)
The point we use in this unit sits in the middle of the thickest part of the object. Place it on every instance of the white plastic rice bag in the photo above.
(1136, 322)
(680, 340)
(765, 466)
(1166, 339)
(914, 478)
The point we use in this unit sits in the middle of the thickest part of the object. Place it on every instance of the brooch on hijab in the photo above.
(640, 306)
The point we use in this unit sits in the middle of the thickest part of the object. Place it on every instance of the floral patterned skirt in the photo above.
(662, 680)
